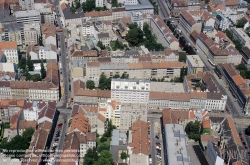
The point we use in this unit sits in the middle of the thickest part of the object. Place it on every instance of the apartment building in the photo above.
(98, 16)
(241, 36)
(47, 15)
(118, 13)
(237, 85)
(143, 6)
(13, 32)
(130, 90)
(130, 113)
(10, 107)
(76, 146)
(176, 149)
(165, 70)
(104, 38)
(110, 110)
(138, 143)
(31, 110)
(91, 96)
(130, 56)
(9, 51)
(176, 6)
(188, 22)
(49, 34)
(67, 17)
(47, 52)
(218, 53)
(211, 99)
(128, 2)
(137, 17)
(31, 31)
(93, 72)
(163, 34)
(87, 28)
(27, 4)
(99, 3)
(28, 16)
(194, 64)
(221, 22)
(89, 55)
(202, 16)
(79, 122)
(164, 56)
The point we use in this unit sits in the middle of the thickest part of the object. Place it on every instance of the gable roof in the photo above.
(79, 122)
(48, 111)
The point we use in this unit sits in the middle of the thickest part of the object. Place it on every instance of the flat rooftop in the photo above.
(166, 87)
(176, 145)
(195, 61)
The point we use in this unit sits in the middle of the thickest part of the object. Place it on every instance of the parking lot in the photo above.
(156, 146)
(56, 142)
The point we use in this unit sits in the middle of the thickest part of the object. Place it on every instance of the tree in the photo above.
(247, 130)
(183, 73)
(153, 79)
(123, 155)
(133, 25)
(35, 77)
(16, 146)
(193, 130)
(240, 23)
(40, 41)
(22, 63)
(114, 3)
(30, 64)
(105, 156)
(43, 71)
(103, 139)
(132, 37)
(116, 76)
(90, 84)
(88, 6)
(182, 57)
(100, 44)
(90, 157)
(125, 76)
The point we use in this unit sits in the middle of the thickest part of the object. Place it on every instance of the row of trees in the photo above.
(238, 44)
(117, 45)
(137, 37)
(15, 147)
(104, 82)
(26, 65)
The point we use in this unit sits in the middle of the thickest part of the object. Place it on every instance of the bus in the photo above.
(211, 63)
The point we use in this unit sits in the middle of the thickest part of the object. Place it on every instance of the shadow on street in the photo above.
(200, 155)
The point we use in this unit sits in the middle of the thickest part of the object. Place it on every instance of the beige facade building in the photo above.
(163, 34)
(89, 55)
(131, 56)
(194, 64)
(91, 96)
(189, 23)
(31, 31)
(165, 56)
(218, 53)
(118, 13)
(93, 72)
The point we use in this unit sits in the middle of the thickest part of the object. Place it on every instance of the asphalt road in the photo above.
(152, 141)
(63, 57)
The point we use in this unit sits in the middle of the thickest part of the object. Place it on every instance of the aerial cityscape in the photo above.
(125, 82)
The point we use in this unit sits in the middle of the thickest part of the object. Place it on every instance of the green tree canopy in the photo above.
(30, 64)
(90, 84)
(35, 77)
(104, 82)
(90, 157)
(100, 44)
(182, 57)
(116, 76)
(240, 23)
(123, 155)
(43, 71)
(88, 6)
(125, 76)
(22, 63)
(133, 25)
(193, 130)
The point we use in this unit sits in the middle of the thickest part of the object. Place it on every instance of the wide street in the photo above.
(63, 57)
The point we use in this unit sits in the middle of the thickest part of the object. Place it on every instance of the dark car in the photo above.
(59, 124)
(157, 136)
(244, 143)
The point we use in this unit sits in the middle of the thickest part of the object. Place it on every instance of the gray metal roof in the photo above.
(6, 17)
(138, 7)
(13, 26)
(69, 15)
(112, 66)
(78, 63)
(27, 13)
(176, 145)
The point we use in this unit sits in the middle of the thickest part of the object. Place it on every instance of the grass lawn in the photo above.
(112, 44)
(206, 131)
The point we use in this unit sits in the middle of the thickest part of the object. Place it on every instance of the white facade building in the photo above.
(128, 2)
(9, 49)
(27, 4)
(29, 16)
(99, 3)
(31, 31)
(87, 28)
(241, 36)
(137, 18)
(130, 91)
(48, 52)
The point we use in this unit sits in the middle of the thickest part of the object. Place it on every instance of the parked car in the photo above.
(244, 143)
(157, 136)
